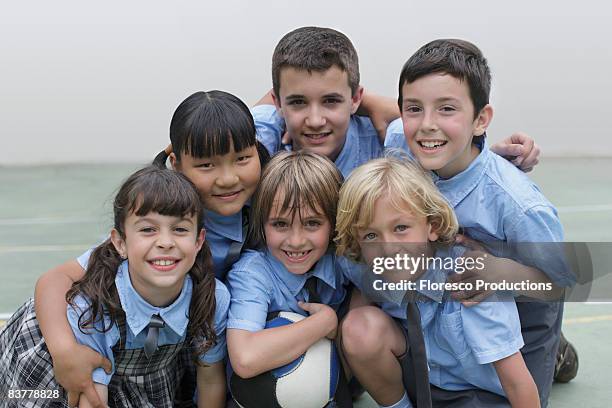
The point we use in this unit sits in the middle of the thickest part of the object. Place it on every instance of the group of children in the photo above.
(200, 254)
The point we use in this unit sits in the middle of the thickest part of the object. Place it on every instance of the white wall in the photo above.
(83, 81)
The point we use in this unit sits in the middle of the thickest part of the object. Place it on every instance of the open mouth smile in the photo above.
(431, 145)
(164, 264)
(317, 138)
(297, 256)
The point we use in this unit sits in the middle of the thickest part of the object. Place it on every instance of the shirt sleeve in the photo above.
(83, 259)
(101, 342)
(497, 316)
(536, 237)
(269, 125)
(219, 350)
(351, 271)
(250, 297)
(394, 138)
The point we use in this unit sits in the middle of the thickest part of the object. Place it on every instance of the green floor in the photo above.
(50, 214)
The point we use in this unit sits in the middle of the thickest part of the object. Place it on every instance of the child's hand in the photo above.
(73, 368)
(324, 311)
(520, 149)
(471, 275)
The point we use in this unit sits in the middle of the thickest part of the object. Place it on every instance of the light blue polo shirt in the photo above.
(496, 202)
(361, 145)
(260, 284)
(461, 342)
(138, 314)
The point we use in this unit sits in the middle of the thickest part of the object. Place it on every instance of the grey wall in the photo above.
(84, 81)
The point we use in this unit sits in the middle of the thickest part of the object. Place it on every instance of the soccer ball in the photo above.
(310, 381)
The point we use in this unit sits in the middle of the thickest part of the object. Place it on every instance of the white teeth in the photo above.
(431, 144)
(295, 254)
(163, 262)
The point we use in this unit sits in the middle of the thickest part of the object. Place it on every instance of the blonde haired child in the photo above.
(411, 189)
(469, 350)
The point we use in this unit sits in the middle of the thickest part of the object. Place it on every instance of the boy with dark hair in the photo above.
(316, 95)
(316, 92)
(444, 102)
(315, 49)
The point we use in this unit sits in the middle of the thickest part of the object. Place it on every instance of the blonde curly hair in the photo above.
(408, 186)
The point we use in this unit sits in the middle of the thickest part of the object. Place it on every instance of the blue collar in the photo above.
(350, 150)
(228, 226)
(436, 275)
(138, 311)
(433, 276)
(324, 269)
(456, 188)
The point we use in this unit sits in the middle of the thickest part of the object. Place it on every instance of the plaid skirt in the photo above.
(25, 364)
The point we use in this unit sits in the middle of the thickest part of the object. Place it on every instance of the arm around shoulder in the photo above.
(381, 110)
(73, 363)
(50, 303)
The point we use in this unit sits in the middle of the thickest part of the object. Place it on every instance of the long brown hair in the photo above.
(168, 193)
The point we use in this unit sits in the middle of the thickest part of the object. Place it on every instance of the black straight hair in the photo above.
(207, 123)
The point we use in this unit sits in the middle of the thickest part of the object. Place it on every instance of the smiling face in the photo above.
(224, 182)
(317, 107)
(439, 123)
(160, 250)
(297, 239)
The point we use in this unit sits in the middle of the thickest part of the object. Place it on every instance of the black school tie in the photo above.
(150, 345)
(235, 248)
(311, 288)
(342, 399)
(416, 347)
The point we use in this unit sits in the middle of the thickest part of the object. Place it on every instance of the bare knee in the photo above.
(364, 332)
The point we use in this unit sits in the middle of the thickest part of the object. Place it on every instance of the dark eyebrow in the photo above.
(187, 219)
(439, 100)
(293, 97)
(277, 219)
(148, 220)
(447, 99)
(308, 219)
(333, 95)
